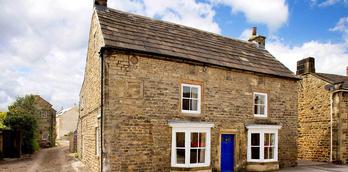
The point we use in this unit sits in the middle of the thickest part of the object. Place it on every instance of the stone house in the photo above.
(158, 96)
(323, 114)
(66, 121)
(46, 135)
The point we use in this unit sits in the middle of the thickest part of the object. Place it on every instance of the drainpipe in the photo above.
(101, 53)
(331, 140)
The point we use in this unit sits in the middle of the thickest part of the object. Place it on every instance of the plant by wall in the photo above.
(22, 117)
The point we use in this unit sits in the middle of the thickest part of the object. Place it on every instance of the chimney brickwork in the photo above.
(305, 66)
(101, 2)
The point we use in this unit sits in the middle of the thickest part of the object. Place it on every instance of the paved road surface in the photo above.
(317, 168)
(54, 159)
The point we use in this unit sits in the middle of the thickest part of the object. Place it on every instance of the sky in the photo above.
(43, 43)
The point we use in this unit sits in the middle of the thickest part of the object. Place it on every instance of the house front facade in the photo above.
(66, 121)
(323, 114)
(46, 121)
(164, 97)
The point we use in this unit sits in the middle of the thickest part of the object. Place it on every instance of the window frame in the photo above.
(97, 141)
(262, 130)
(198, 111)
(265, 108)
(188, 128)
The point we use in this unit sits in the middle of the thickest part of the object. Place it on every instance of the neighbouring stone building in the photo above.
(159, 96)
(323, 114)
(66, 121)
(46, 121)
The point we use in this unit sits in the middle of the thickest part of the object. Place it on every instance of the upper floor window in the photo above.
(190, 98)
(260, 104)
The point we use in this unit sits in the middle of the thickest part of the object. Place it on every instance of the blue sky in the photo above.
(44, 42)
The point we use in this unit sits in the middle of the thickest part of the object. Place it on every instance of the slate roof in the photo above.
(127, 31)
(334, 79)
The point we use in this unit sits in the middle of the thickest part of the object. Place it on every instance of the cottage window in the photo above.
(260, 104)
(190, 144)
(191, 98)
(262, 143)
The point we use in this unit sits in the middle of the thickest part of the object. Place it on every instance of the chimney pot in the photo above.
(305, 66)
(101, 2)
(259, 39)
(254, 32)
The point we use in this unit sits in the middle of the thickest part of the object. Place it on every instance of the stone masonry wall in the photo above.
(314, 119)
(343, 136)
(90, 100)
(142, 94)
(46, 121)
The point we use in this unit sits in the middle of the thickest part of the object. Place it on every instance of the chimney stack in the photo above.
(259, 39)
(306, 66)
(101, 2)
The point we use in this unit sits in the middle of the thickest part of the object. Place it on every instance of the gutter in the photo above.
(331, 120)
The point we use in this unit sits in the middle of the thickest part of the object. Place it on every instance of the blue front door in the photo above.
(227, 153)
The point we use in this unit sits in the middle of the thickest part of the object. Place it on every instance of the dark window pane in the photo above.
(257, 99)
(201, 155)
(262, 109)
(194, 105)
(193, 155)
(265, 152)
(255, 153)
(271, 152)
(180, 139)
(256, 109)
(202, 139)
(267, 143)
(255, 139)
(185, 104)
(186, 92)
(180, 156)
(194, 139)
(194, 93)
(272, 139)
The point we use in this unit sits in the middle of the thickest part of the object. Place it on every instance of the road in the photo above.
(54, 159)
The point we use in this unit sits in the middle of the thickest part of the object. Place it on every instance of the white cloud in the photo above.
(329, 57)
(186, 12)
(246, 34)
(273, 13)
(44, 42)
(43, 49)
(342, 26)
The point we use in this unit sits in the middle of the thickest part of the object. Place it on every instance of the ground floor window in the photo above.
(262, 143)
(190, 144)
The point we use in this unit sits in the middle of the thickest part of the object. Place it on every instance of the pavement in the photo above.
(55, 159)
(310, 166)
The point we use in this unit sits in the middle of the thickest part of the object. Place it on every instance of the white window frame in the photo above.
(188, 128)
(97, 141)
(266, 105)
(262, 129)
(198, 111)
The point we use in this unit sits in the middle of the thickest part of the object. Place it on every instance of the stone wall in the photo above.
(314, 119)
(314, 122)
(343, 134)
(46, 122)
(90, 100)
(143, 93)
